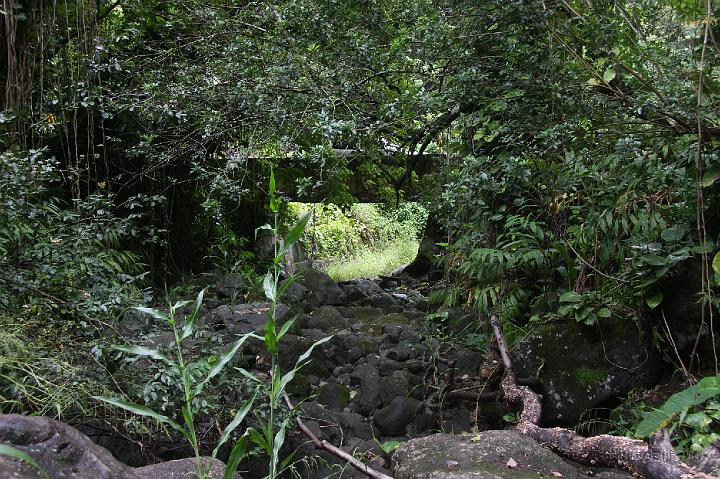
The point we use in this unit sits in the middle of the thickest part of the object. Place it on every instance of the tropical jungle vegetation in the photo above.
(559, 158)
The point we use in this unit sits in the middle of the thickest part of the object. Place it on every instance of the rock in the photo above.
(360, 289)
(333, 396)
(393, 419)
(178, 469)
(356, 425)
(348, 348)
(480, 456)
(456, 321)
(423, 263)
(399, 353)
(295, 293)
(708, 461)
(292, 347)
(382, 301)
(211, 303)
(582, 367)
(230, 286)
(64, 452)
(334, 426)
(466, 362)
(389, 366)
(368, 378)
(327, 319)
(366, 314)
(415, 366)
(394, 385)
(321, 289)
(457, 420)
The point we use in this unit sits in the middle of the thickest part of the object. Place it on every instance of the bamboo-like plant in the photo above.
(271, 434)
(192, 387)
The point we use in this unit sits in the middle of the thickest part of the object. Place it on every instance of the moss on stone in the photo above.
(590, 377)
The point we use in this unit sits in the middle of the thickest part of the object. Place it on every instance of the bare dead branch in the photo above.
(336, 451)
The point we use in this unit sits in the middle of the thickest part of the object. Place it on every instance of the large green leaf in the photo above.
(294, 234)
(274, 207)
(222, 362)
(710, 176)
(678, 403)
(143, 351)
(269, 286)
(6, 450)
(239, 417)
(235, 456)
(142, 411)
(157, 314)
(191, 321)
(654, 299)
(716, 268)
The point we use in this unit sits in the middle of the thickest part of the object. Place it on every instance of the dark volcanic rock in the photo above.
(360, 289)
(333, 396)
(327, 319)
(581, 367)
(64, 452)
(321, 289)
(480, 456)
(394, 385)
(393, 419)
(368, 378)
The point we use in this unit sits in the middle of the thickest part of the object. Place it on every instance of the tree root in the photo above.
(656, 460)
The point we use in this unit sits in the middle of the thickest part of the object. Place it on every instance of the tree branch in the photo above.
(336, 451)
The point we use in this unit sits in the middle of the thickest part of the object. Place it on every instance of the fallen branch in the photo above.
(656, 460)
(336, 451)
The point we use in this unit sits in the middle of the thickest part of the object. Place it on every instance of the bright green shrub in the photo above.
(334, 233)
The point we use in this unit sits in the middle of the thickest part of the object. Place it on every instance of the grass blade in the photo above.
(239, 417)
(222, 362)
(6, 450)
(142, 411)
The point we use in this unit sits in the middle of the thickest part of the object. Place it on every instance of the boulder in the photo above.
(292, 347)
(423, 264)
(466, 362)
(583, 367)
(479, 456)
(708, 461)
(368, 378)
(333, 396)
(393, 419)
(360, 289)
(327, 319)
(321, 289)
(230, 286)
(64, 452)
(392, 386)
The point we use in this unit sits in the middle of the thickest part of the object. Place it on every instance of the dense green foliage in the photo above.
(568, 150)
(336, 234)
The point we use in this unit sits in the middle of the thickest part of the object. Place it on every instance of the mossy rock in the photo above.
(366, 314)
(585, 367)
(375, 327)
(299, 386)
(480, 456)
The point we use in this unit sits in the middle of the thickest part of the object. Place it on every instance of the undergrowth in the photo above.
(372, 262)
